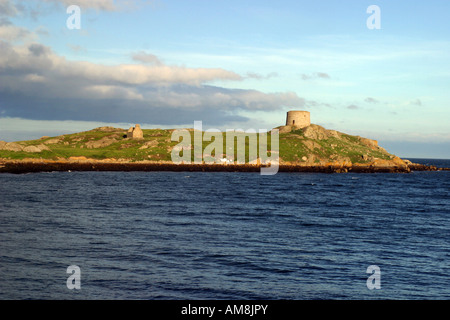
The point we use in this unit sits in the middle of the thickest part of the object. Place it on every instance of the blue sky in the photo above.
(231, 64)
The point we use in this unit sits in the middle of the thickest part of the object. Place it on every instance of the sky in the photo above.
(230, 64)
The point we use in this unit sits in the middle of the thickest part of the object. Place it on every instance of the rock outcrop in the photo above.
(284, 129)
(10, 146)
(317, 132)
(32, 149)
(103, 142)
(373, 144)
(149, 144)
(13, 146)
(52, 141)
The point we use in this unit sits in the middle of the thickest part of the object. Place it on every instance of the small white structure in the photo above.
(225, 161)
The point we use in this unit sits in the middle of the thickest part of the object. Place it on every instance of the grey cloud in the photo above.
(8, 9)
(306, 77)
(38, 9)
(38, 58)
(313, 103)
(316, 75)
(10, 32)
(76, 48)
(371, 100)
(170, 105)
(352, 107)
(37, 84)
(38, 49)
(322, 75)
(5, 21)
(146, 58)
(110, 110)
(41, 30)
(417, 102)
(255, 75)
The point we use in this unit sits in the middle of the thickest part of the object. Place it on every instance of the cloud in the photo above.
(175, 104)
(146, 58)
(371, 100)
(76, 48)
(38, 49)
(322, 75)
(315, 75)
(40, 59)
(34, 78)
(416, 102)
(39, 84)
(258, 76)
(313, 103)
(36, 9)
(10, 32)
(8, 9)
(104, 5)
(352, 107)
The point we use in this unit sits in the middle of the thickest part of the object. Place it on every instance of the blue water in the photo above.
(219, 235)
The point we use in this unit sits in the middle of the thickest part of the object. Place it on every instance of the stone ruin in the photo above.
(135, 133)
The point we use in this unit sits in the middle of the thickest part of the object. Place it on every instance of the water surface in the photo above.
(224, 235)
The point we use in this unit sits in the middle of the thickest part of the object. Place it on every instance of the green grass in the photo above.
(293, 146)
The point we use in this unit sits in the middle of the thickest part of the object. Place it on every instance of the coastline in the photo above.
(27, 166)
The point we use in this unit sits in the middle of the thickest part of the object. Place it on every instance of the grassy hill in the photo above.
(312, 145)
(320, 146)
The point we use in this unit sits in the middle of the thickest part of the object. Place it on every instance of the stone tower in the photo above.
(298, 119)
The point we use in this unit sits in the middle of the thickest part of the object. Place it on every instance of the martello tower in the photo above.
(299, 119)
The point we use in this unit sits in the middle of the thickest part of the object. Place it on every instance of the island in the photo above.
(303, 147)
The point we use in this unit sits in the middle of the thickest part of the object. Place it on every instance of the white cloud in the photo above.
(34, 78)
(57, 88)
(111, 92)
(10, 32)
(41, 59)
(105, 5)
(40, 84)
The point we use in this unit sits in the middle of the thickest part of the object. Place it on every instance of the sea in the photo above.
(225, 235)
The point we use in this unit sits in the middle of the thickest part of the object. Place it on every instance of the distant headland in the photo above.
(303, 147)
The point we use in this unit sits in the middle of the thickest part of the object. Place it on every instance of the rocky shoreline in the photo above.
(19, 166)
